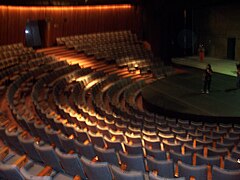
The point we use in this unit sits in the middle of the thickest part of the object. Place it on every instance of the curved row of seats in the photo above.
(14, 50)
(75, 115)
(121, 47)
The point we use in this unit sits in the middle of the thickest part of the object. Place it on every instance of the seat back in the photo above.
(156, 177)
(231, 164)
(217, 152)
(201, 160)
(12, 139)
(134, 149)
(28, 176)
(133, 162)
(119, 174)
(106, 155)
(96, 170)
(28, 146)
(187, 171)
(185, 158)
(172, 146)
(48, 156)
(117, 144)
(10, 172)
(85, 149)
(223, 174)
(68, 161)
(53, 137)
(39, 126)
(164, 168)
(156, 154)
(67, 143)
(97, 139)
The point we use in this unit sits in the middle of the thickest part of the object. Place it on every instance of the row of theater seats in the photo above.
(66, 155)
(156, 160)
(14, 50)
(11, 47)
(76, 117)
(121, 47)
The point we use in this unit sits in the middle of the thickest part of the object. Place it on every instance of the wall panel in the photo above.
(64, 21)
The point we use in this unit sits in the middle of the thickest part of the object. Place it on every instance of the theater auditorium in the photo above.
(119, 90)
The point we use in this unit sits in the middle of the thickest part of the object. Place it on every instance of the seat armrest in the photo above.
(76, 177)
(46, 171)
(21, 161)
(12, 127)
(5, 123)
(4, 152)
(24, 134)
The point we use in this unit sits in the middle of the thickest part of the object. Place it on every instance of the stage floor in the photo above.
(222, 66)
(181, 94)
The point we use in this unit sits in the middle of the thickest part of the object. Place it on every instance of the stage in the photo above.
(180, 96)
(222, 66)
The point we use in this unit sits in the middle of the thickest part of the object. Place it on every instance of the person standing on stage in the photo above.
(207, 78)
(238, 76)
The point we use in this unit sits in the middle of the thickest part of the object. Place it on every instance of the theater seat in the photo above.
(119, 174)
(96, 170)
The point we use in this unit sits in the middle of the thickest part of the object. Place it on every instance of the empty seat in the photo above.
(85, 149)
(97, 139)
(81, 135)
(185, 158)
(119, 174)
(235, 154)
(200, 160)
(191, 149)
(187, 171)
(10, 172)
(133, 138)
(217, 152)
(164, 168)
(113, 143)
(153, 143)
(67, 143)
(53, 137)
(172, 146)
(231, 164)
(27, 143)
(156, 153)
(229, 146)
(96, 170)
(205, 143)
(134, 149)
(71, 164)
(132, 162)
(106, 155)
(49, 156)
(39, 126)
(223, 174)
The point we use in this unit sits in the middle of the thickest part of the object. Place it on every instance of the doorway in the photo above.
(231, 43)
(32, 35)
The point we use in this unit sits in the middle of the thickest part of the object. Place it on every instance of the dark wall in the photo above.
(214, 25)
(67, 20)
(163, 22)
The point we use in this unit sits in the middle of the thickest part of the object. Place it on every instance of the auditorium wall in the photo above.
(214, 25)
(64, 21)
(162, 22)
